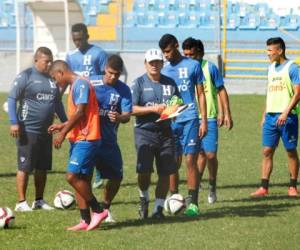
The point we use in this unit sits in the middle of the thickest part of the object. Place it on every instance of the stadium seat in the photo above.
(139, 6)
(249, 22)
(290, 22)
(172, 4)
(4, 21)
(149, 19)
(129, 19)
(168, 20)
(262, 9)
(189, 19)
(270, 22)
(233, 21)
(162, 6)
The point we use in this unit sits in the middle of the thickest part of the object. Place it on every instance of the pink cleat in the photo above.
(261, 192)
(97, 218)
(81, 226)
(293, 192)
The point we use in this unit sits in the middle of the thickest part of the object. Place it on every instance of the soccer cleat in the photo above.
(158, 214)
(81, 226)
(109, 218)
(192, 210)
(293, 192)
(41, 204)
(188, 200)
(23, 207)
(260, 192)
(97, 218)
(212, 197)
(143, 209)
(97, 183)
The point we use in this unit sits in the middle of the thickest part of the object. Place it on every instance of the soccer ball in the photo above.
(174, 204)
(5, 107)
(64, 199)
(7, 218)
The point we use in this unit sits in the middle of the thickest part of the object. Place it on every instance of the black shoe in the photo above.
(143, 209)
(158, 214)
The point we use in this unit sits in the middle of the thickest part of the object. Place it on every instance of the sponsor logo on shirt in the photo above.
(22, 159)
(44, 97)
(24, 111)
(192, 143)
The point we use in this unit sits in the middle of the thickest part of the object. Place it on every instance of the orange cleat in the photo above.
(293, 192)
(261, 192)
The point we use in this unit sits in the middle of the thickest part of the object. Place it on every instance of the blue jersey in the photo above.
(187, 73)
(115, 97)
(216, 77)
(87, 63)
(293, 71)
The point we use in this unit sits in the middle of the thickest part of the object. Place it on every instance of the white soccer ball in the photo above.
(7, 217)
(5, 107)
(174, 204)
(64, 200)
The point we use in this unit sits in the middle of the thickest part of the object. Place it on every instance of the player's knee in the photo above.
(292, 154)
(268, 152)
(211, 156)
(70, 178)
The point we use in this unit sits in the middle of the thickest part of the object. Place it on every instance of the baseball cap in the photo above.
(153, 54)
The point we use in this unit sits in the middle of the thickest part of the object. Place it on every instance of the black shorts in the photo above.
(34, 152)
(155, 144)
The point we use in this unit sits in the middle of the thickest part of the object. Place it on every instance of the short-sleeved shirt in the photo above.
(115, 97)
(148, 93)
(216, 77)
(294, 72)
(87, 63)
(187, 73)
(37, 95)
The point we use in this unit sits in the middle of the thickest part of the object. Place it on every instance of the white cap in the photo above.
(153, 54)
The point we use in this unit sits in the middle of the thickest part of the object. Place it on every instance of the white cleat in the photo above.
(41, 204)
(212, 197)
(109, 218)
(23, 207)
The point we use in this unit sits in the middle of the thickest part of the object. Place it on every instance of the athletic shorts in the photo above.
(186, 136)
(158, 145)
(109, 161)
(209, 143)
(34, 152)
(271, 133)
(82, 157)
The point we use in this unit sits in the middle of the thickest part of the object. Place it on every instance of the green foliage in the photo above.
(235, 222)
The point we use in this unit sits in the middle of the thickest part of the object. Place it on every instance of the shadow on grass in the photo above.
(256, 210)
(14, 174)
(263, 199)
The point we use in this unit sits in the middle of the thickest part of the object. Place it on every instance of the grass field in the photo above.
(235, 222)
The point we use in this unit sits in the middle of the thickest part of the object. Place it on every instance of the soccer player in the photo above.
(188, 75)
(115, 102)
(153, 140)
(214, 88)
(86, 60)
(82, 131)
(280, 118)
(38, 99)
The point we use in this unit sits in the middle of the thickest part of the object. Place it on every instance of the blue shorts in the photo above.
(209, 143)
(82, 157)
(271, 133)
(109, 161)
(186, 136)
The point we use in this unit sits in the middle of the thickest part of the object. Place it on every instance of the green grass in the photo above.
(234, 222)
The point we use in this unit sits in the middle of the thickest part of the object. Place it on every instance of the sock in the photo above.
(158, 203)
(175, 192)
(194, 196)
(38, 199)
(200, 177)
(105, 205)
(212, 185)
(265, 183)
(144, 194)
(95, 206)
(85, 215)
(293, 183)
(21, 201)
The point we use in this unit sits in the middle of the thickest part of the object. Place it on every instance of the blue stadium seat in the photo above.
(168, 20)
(250, 22)
(139, 6)
(290, 22)
(270, 22)
(233, 21)
(172, 4)
(189, 19)
(149, 19)
(4, 21)
(262, 9)
(130, 19)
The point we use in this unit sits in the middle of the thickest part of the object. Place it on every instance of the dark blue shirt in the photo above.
(148, 93)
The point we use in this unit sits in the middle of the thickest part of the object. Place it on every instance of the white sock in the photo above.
(158, 203)
(144, 194)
